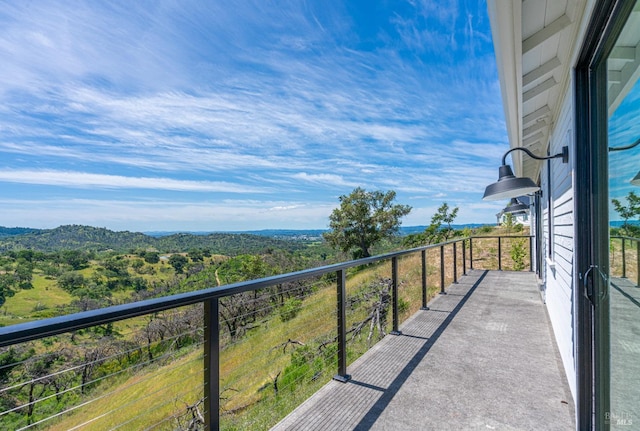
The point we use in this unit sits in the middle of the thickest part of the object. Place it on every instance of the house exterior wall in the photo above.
(558, 269)
(522, 219)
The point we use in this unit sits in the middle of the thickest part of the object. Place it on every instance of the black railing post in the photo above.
(471, 253)
(455, 264)
(442, 292)
(464, 257)
(530, 254)
(637, 263)
(341, 285)
(624, 260)
(211, 366)
(424, 281)
(499, 254)
(394, 298)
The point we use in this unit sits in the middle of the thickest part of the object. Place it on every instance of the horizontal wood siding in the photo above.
(559, 272)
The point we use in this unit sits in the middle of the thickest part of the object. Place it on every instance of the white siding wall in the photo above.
(558, 270)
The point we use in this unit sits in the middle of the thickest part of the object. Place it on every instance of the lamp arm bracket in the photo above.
(627, 147)
(564, 154)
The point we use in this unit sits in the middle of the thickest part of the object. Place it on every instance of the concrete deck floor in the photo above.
(625, 347)
(482, 358)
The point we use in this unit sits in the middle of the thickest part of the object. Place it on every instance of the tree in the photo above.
(24, 274)
(71, 281)
(7, 285)
(508, 222)
(137, 265)
(363, 219)
(151, 257)
(434, 233)
(74, 258)
(178, 262)
(196, 255)
(631, 210)
(115, 273)
(443, 215)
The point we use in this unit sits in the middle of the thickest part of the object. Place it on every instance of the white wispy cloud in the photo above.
(90, 180)
(329, 179)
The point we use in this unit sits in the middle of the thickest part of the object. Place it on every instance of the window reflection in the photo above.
(623, 66)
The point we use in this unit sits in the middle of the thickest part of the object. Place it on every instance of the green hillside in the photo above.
(88, 238)
(10, 231)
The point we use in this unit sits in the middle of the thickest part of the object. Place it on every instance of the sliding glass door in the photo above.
(623, 136)
(607, 297)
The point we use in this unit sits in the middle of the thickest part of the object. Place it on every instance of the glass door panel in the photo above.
(623, 94)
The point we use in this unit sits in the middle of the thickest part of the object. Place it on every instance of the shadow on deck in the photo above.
(483, 357)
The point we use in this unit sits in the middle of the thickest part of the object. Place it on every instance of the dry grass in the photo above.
(255, 360)
(485, 253)
(146, 398)
(631, 264)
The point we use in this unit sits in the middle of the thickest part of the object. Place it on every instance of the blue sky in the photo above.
(214, 116)
(624, 130)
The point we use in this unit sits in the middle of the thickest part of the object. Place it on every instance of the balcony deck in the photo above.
(483, 357)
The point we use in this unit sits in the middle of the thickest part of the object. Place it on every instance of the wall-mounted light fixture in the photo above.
(516, 207)
(636, 180)
(510, 186)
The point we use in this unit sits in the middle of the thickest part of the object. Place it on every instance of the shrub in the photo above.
(137, 265)
(486, 229)
(151, 257)
(290, 309)
(402, 305)
(518, 254)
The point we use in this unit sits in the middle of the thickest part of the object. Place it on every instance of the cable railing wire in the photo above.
(86, 403)
(144, 412)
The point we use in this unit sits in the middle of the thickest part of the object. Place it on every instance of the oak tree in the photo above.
(629, 211)
(363, 219)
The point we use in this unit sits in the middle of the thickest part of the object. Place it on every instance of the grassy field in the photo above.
(46, 296)
(31, 304)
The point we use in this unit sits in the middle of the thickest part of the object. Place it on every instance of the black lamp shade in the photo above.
(636, 180)
(516, 207)
(509, 186)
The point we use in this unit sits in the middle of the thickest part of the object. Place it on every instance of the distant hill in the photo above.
(78, 237)
(274, 233)
(310, 233)
(10, 231)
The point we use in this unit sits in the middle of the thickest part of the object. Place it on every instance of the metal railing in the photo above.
(211, 299)
(500, 242)
(624, 250)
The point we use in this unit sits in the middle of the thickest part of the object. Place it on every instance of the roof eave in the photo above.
(506, 30)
